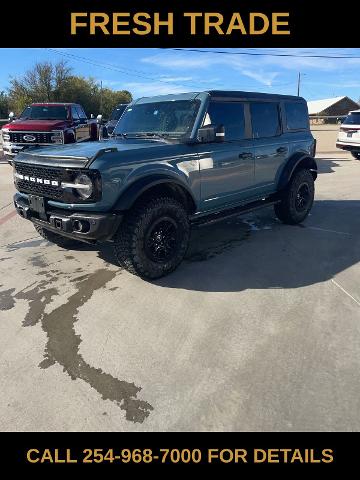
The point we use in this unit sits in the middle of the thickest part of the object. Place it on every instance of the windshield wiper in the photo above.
(148, 135)
(122, 135)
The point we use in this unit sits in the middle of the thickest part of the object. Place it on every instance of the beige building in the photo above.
(330, 107)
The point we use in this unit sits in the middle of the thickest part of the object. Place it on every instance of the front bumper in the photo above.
(83, 226)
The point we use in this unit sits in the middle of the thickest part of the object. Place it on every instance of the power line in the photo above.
(138, 73)
(224, 52)
(125, 71)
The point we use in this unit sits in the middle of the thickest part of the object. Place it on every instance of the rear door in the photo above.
(271, 150)
(226, 168)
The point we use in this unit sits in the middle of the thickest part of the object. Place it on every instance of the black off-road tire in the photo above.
(297, 199)
(153, 238)
(59, 240)
(356, 155)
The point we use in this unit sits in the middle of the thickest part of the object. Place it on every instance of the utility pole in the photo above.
(100, 97)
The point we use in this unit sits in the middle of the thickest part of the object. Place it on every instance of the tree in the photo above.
(40, 84)
(47, 82)
(80, 90)
(110, 98)
(4, 105)
(88, 93)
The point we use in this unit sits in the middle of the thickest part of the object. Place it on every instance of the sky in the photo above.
(154, 71)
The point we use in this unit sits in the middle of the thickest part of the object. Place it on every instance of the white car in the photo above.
(349, 134)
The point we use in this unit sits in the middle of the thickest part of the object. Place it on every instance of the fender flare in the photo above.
(129, 196)
(292, 164)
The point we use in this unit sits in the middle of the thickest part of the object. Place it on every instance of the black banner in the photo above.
(238, 453)
(256, 23)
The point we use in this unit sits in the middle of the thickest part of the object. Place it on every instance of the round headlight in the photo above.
(84, 186)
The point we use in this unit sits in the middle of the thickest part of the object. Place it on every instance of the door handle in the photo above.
(245, 155)
(282, 150)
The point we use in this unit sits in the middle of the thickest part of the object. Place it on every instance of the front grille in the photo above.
(43, 173)
(33, 137)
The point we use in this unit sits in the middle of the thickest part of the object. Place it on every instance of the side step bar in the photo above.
(232, 212)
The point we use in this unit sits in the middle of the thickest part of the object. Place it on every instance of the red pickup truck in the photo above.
(47, 124)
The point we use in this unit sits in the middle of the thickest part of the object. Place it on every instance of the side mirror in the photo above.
(12, 116)
(99, 118)
(103, 133)
(211, 133)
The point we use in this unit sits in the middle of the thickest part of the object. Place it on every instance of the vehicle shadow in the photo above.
(258, 252)
(327, 165)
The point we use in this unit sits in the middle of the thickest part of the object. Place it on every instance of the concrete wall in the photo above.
(326, 136)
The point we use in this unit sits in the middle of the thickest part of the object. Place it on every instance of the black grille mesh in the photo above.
(26, 186)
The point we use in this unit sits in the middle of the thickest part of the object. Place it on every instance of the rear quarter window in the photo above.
(297, 116)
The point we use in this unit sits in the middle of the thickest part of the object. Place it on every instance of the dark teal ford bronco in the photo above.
(173, 161)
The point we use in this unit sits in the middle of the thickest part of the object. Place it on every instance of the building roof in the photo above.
(318, 106)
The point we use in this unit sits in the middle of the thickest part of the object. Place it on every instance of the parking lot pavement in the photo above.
(259, 329)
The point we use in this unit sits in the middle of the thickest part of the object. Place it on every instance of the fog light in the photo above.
(81, 226)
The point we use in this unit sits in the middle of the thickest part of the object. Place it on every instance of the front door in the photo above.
(226, 168)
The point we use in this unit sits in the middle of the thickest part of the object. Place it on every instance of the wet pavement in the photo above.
(259, 328)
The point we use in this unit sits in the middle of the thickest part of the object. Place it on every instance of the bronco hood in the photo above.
(35, 125)
(81, 154)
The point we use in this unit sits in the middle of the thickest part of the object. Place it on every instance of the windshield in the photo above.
(117, 112)
(40, 112)
(352, 119)
(169, 118)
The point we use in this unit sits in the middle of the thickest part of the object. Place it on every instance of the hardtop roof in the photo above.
(253, 95)
(49, 104)
(238, 94)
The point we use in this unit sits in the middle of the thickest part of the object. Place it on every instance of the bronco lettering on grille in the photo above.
(45, 181)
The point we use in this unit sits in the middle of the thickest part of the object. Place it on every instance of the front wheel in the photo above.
(297, 199)
(356, 155)
(153, 239)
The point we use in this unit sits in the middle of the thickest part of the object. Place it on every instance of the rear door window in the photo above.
(229, 114)
(265, 119)
(352, 119)
(297, 117)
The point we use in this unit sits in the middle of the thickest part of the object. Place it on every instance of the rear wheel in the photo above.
(59, 240)
(153, 239)
(356, 155)
(297, 199)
